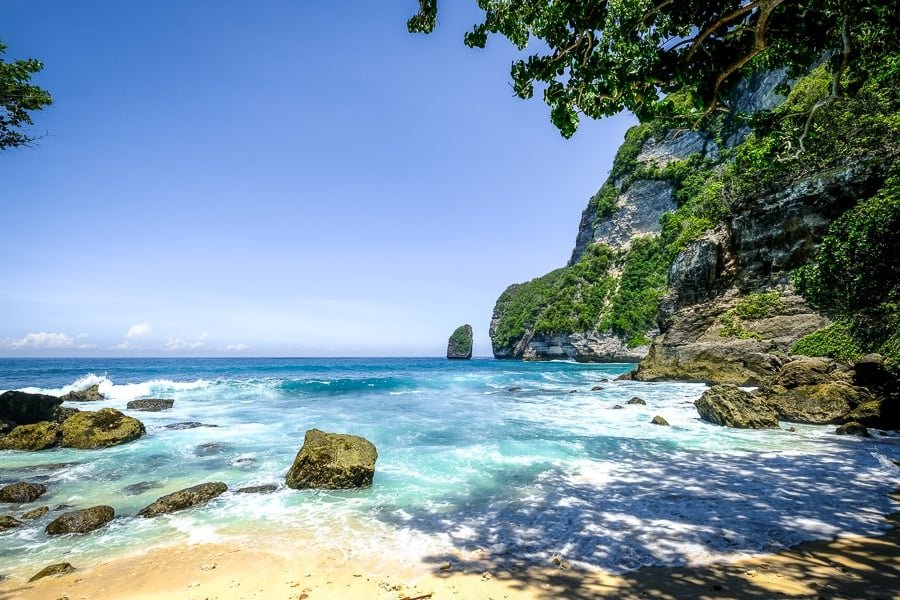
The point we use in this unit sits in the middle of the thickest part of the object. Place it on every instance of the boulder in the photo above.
(182, 499)
(101, 429)
(57, 569)
(7, 522)
(853, 428)
(91, 394)
(806, 371)
(151, 404)
(36, 436)
(258, 489)
(869, 372)
(36, 513)
(22, 492)
(333, 461)
(818, 404)
(459, 346)
(23, 408)
(658, 420)
(81, 521)
(637, 400)
(881, 413)
(730, 406)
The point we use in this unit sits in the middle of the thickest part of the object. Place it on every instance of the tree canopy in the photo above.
(661, 58)
(18, 98)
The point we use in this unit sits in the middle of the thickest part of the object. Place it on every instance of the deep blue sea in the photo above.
(517, 461)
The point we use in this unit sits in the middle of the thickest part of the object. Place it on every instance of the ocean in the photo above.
(518, 461)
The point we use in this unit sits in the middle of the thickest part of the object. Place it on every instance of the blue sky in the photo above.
(275, 178)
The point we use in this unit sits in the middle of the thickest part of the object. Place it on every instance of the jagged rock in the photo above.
(676, 144)
(459, 346)
(36, 513)
(658, 420)
(258, 489)
(730, 406)
(637, 400)
(7, 522)
(150, 404)
(853, 428)
(102, 429)
(589, 346)
(182, 499)
(55, 570)
(24, 409)
(187, 425)
(91, 394)
(81, 521)
(22, 492)
(333, 461)
(37, 436)
(819, 404)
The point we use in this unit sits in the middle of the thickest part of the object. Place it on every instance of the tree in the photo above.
(18, 98)
(672, 58)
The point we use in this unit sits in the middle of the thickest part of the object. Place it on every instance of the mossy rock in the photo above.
(92, 394)
(81, 521)
(53, 570)
(182, 499)
(37, 436)
(732, 407)
(459, 346)
(881, 413)
(36, 513)
(822, 404)
(333, 461)
(100, 429)
(7, 522)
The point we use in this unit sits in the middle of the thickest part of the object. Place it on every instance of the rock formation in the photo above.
(732, 407)
(150, 404)
(81, 521)
(183, 499)
(24, 409)
(101, 429)
(91, 394)
(22, 492)
(332, 461)
(459, 346)
(33, 437)
(53, 570)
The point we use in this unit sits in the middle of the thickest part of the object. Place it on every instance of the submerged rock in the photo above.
(33, 437)
(22, 492)
(333, 461)
(637, 400)
(258, 489)
(617, 407)
(596, 388)
(36, 513)
(8, 522)
(732, 407)
(81, 521)
(459, 346)
(57, 569)
(187, 425)
(151, 404)
(139, 488)
(658, 420)
(853, 428)
(23, 408)
(101, 429)
(182, 499)
(211, 448)
(91, 394)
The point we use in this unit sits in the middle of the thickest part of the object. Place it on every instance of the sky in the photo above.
(279, 178)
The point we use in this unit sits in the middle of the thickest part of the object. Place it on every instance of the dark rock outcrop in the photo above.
(853, 428)
(81, 521)
(732, 407)
(101, 429)
(53, 570)
(24, 409)
(91, 394)
(151, 404)
(183, 499)
(333, 461)
(22, 492)
(459, 346)
(33, 437)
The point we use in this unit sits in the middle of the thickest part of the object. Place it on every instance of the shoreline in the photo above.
(254, 567)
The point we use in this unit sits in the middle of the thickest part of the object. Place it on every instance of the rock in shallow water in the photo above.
(637, 400)
(33, 437)
(853, 428)
(188, 425)
(57, 569)
(81, 521)
(91, 394)
(22, 492)
(730, 406)
(658, 420)
(101, 429)
(258, 489)
(23, 408)
(333, 461)
(182, 499)
(7, 522)
(151, 404)
(36, 513)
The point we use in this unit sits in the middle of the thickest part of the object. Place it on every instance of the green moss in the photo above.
(759, 305)
(733, 327)
(836, 341)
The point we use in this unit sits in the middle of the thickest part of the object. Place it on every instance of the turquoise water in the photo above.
(482, 455)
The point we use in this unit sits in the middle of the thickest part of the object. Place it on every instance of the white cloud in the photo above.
(42, 340)
(138, 330)
(236, 347)
(180, 344)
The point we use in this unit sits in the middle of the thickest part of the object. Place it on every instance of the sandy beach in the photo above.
(848, 567)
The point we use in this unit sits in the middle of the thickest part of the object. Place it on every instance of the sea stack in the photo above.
(460, 344)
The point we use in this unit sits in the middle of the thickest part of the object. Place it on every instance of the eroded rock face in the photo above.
(91, 394)
(34, 437)
(459, 346)
(22, 492)
(102, 429)
(732, 407)
(333, 461)
(183, 499)
(81, 521)
(151, 404)
(24, 409)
